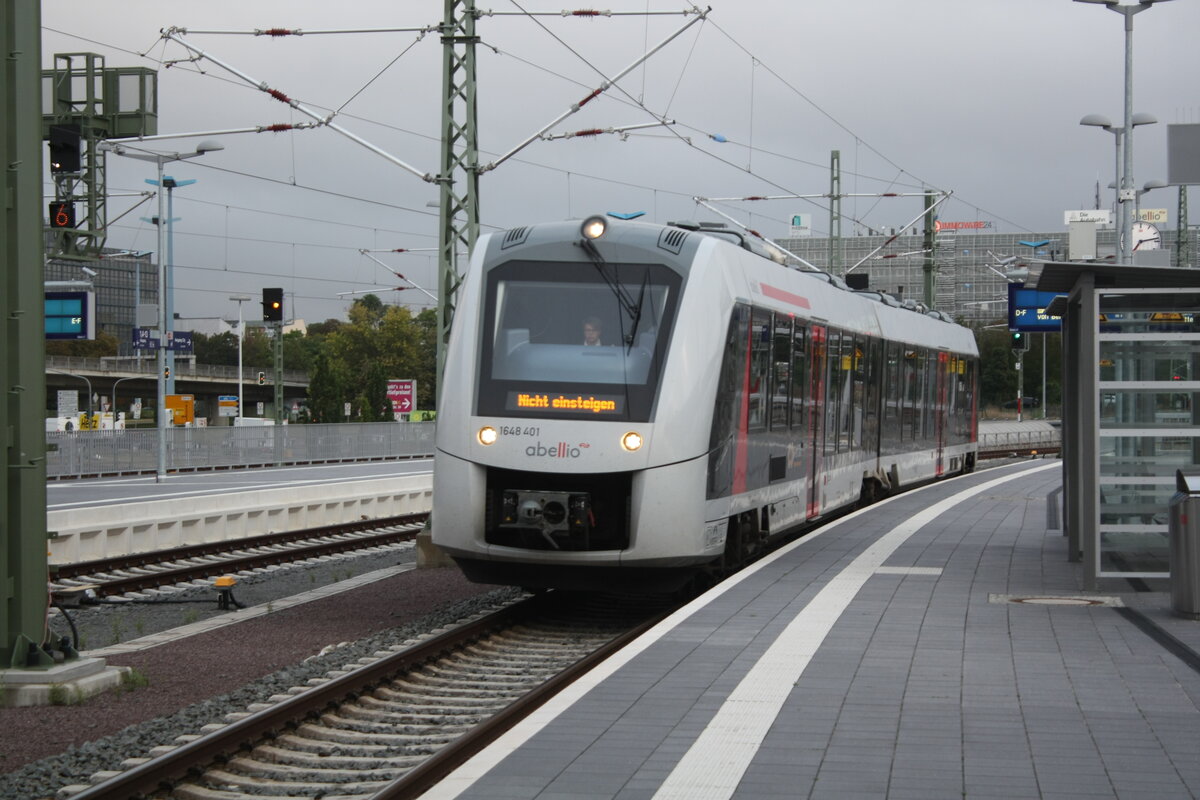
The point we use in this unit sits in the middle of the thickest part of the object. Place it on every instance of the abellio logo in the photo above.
(560, 450)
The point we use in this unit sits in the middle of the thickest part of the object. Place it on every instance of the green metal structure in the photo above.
(1183, 239)
(930, 267)
(835, 211)
(458, 176)
(23, 560)
(97, 102)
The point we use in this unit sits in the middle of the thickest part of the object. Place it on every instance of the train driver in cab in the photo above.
(591, 332)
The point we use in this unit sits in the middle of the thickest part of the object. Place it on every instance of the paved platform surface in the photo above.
(885, 657)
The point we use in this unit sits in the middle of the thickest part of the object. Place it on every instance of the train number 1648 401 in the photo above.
(514, 430)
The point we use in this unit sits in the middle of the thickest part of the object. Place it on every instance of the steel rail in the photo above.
(135, 560)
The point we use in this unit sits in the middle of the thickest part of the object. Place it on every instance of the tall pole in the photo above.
(241, 338)
(1127, 170)
(835, 211)
(170, 272)
(239, 299)
(161, 415)
(928, 283)
(459, 175)
(22, 341)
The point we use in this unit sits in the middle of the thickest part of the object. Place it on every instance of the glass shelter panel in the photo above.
(1149, 388)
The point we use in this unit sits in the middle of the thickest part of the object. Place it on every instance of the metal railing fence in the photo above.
(992, 442)
(81, 454)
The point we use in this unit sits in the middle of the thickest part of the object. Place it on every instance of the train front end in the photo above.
(554, 466)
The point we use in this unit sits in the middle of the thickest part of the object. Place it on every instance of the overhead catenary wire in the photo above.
(630, 101)
(605, 85)
(896, 236)
(173, 35)
(783, 251)
(398, 275)
(277, 32)
(683, 125)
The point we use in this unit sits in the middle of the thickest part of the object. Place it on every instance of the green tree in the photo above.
(328, 390)
(375, 404)
(391, 340)
(220, 348)
(105, 344)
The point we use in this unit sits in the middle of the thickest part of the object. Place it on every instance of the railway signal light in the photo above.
(262, 378)
(166, 373)
(62, 214)
(64, 148)
(1020, 342)
(272, 303)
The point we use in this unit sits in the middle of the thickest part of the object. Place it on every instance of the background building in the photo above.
(973, 267)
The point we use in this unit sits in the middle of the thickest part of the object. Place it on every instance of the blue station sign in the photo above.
(1027, 309)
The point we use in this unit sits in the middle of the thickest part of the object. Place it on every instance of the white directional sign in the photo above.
(1100, 216)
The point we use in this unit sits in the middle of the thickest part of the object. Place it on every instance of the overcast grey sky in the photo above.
(981, 97)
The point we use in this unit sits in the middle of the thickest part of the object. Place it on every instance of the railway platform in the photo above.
(936, 645)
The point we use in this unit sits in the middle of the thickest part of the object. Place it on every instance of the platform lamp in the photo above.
(1103, 122)
(159, 159)
(1125, 190)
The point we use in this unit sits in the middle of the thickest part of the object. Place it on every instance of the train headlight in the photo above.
(632, 441)
(487, 435)
(594, 227)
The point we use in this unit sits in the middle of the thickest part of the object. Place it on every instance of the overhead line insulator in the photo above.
(280, 32)
(595, 93)
(280, 96)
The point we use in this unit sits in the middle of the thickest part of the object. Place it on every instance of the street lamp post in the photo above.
(158, 159)
(1148, 186)
(240, 298)
(1125, 190)
(1102, 122)
(117, 383)
(170, 184)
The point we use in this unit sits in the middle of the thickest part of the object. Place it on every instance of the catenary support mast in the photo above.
(459, 174)
(23, 593)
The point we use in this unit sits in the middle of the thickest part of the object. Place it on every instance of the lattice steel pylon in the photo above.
(459, 173)
(92, 102)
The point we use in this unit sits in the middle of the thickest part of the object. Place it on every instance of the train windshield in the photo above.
(574, 340)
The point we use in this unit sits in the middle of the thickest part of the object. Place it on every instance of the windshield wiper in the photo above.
(634, 310)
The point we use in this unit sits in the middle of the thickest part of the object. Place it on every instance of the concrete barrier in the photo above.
(86, 534)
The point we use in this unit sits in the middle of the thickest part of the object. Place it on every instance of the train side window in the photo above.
(910, 392)
(760, 359)
(781, 366)
(834, 380)
(932, 365)
(872, 385)
(799, 376)
(891, 397)
(857, 391)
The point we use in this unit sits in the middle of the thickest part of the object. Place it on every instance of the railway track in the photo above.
(393, 727)
(136, 573)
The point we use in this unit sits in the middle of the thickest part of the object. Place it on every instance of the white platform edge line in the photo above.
(473, 770)
(244, 614)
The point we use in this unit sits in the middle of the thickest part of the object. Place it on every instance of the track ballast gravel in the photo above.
(201, 679)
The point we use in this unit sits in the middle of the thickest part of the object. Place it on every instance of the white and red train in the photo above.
(727, 401)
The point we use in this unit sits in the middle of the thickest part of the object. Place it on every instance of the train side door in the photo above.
(816, 416)
(941, 409)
